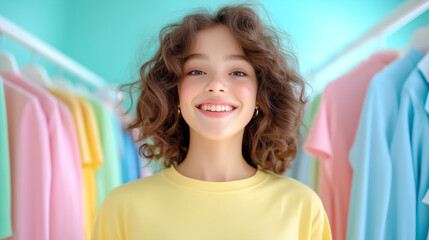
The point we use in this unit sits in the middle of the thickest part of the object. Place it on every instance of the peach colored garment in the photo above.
(66, 207)
(30, 164)
(332, 134)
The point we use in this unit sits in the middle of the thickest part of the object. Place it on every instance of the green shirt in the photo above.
(5, 200)
(109, 175)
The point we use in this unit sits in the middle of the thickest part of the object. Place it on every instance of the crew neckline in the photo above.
(172, 175)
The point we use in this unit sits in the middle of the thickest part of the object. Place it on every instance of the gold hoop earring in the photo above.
(256, 113)
(178, 110)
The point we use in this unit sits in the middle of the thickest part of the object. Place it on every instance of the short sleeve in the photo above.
(108, 224)
(318, 143)
(320, 228)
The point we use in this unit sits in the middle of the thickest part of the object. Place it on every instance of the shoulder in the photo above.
(293, 191)
(131, 190)
(122, 206)
(298, 201)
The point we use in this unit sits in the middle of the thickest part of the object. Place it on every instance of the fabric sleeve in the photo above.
(108, 224)
(318, 145)
(320, 228)
(92, 134)
(307, 166)
(318, 142)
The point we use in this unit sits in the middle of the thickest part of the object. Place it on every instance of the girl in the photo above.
(222, 107)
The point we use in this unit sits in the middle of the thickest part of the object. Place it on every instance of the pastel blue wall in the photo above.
(113, 38)
(46, 21)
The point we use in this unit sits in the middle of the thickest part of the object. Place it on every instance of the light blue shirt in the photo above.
(426, 201)
(370, 153)
(408, 216)
(130, 159)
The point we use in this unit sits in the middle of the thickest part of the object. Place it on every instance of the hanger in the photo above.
(37, 74)
(110, 94)
(62, 83)
(82, 90)
(8, 63)
(420, 40)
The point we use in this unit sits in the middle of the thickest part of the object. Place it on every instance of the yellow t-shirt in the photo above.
(169, 205)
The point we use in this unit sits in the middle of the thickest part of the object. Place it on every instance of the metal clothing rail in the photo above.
(403, 15)
(56, 57)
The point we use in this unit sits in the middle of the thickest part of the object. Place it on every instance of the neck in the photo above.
(215, 161)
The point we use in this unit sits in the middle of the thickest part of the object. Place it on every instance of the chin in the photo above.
(218, 134)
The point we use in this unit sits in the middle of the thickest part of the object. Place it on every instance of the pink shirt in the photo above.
(30, 164)
(332, 134)
(66, 198)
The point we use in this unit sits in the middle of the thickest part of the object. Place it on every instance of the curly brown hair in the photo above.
(270, 139)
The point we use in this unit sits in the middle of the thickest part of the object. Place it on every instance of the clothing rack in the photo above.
(34, 44)
(403, 15)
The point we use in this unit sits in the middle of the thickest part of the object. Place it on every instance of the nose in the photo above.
(216, 83)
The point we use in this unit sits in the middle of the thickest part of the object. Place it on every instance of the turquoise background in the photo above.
(113, 38)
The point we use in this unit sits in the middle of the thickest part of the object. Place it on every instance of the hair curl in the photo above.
(270, 139)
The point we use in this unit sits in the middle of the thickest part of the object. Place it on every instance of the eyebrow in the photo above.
(205, 57)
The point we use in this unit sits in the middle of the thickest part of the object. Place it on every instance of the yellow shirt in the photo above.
(90, 150)
(169, 205)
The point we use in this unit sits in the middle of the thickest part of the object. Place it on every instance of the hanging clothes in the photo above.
(108, 176)
(90, 149)
(130, 159)
(426, 201)
(5, 184)
(66, 207)
(305, 168)
(410, 154)
(332, 134)
(30, 164)
(370, 153)
(308, 168)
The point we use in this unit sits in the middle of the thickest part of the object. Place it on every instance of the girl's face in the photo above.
(217, 91)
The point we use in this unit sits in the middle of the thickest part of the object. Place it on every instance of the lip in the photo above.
(216, 114)
(216, 102)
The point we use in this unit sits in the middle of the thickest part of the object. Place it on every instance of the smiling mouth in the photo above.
(216, 107)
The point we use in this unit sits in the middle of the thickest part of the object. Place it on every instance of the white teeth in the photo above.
(216, 108)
